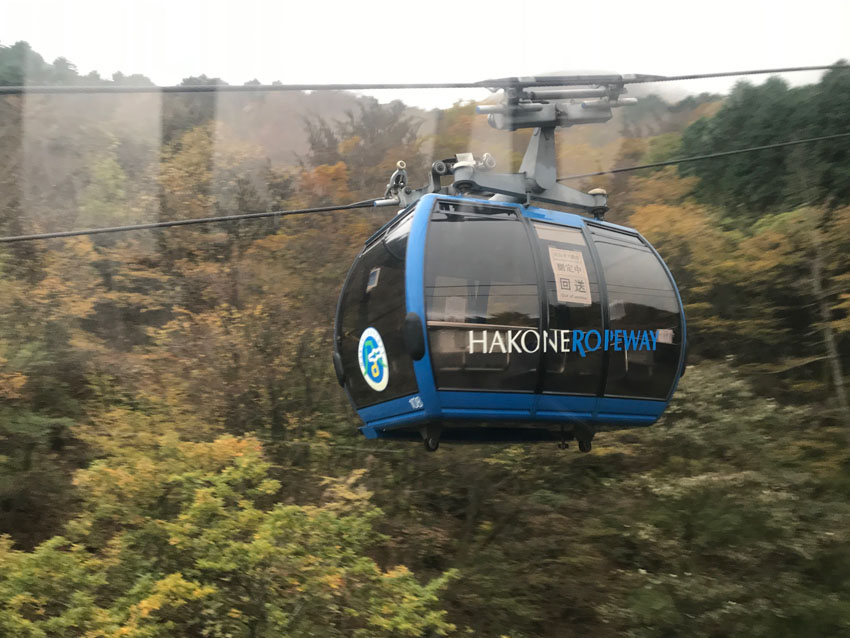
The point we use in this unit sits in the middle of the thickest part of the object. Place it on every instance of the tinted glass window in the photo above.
(396, 237)
(481, 291)
(374, 298)
(641, 300)
(572, 290)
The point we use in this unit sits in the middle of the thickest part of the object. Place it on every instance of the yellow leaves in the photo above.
(685, 223)
(825, 456)
(168, 594)
(334, 581)
(633, 147)
(11, 383)
(272, 245)
(82, 479)
(664, 186)
(399, 571)
(346, 146)
(70, 285)
(221, 452)
(689, 239)
(581, 158)
(206, 170)
(344, 494)
(324, 184)
(842, 324)
(19, 601)
(103, 201)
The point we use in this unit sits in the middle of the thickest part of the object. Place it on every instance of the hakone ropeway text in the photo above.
(580, 341)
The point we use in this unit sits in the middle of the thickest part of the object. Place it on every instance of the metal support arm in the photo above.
(523, 189)
(541, 109)
(536, 179)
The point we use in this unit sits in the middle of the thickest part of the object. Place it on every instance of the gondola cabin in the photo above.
(465, 319)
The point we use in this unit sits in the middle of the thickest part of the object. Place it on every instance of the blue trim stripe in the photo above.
(513, 401)
(414, 291)
(393, 408)
(411, 419)
(507, 406)
(554, 407)
(554, 216)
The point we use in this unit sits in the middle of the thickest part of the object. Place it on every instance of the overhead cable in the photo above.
(498, 83)
(699, 158)
(185, 222)
(376, 202)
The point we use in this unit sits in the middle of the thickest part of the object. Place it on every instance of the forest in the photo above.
(177, 459)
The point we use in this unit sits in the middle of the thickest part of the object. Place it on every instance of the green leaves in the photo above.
(189, 541)
(749, 185)
(51, 591)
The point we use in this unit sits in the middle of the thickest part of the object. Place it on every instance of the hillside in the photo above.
(177, 457)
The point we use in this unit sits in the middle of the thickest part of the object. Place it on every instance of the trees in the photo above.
(185, 539)
(45, 357)
(373, 138)
(749, 185)
(177, 458)
(795, 261)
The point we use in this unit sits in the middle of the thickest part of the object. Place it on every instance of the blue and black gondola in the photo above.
(465, 319)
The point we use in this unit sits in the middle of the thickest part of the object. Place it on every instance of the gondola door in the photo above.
(574, 310)
(481, 298)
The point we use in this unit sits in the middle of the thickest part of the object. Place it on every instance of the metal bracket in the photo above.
(522, 107)
(536, 179)
(398, 180)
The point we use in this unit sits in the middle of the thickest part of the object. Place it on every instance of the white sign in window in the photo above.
(571, 282)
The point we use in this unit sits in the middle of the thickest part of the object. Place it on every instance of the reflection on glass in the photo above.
(479, 280)
(640, 297)
(572, 289)
(374, 297)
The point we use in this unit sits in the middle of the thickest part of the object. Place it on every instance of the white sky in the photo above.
(321, 41)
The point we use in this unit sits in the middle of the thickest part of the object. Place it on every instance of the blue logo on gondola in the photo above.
(373, 359)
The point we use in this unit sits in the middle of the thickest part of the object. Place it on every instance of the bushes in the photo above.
(187, 541)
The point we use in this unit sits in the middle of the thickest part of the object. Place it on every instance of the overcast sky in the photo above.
(400, 41)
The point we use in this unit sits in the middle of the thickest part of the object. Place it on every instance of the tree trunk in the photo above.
(832, 356)
(278, 413)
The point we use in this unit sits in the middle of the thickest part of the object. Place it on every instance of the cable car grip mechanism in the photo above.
(542, 110)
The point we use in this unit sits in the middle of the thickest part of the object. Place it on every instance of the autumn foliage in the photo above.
(176, 458)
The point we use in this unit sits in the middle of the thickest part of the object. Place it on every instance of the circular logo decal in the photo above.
(373, 360)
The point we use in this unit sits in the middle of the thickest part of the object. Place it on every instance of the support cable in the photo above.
(498, 83)
(699, 158)
(376, 202)
(186, 222)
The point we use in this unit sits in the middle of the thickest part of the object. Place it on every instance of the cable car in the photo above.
(474, 315)
(482, 320)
